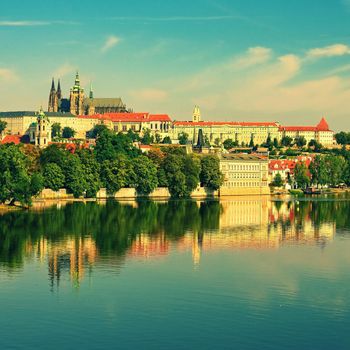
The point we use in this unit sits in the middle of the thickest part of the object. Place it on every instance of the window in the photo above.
(133, 127)
(124, 128)
(116, 129)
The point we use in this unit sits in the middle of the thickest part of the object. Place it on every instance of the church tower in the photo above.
(43, 130)
(53, 101)
(76, 97)
(196, 116)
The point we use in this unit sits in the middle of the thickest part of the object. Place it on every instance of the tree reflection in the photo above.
(76, 236)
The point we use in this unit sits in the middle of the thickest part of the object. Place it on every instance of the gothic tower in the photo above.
(53, 101)
(196, 116)
(76, 97)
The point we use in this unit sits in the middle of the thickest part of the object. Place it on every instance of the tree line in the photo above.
(113, 163)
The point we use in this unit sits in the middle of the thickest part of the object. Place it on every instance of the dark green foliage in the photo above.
(147, 138)
(116, 174)
(68, 132)
(300, 141)
(210, 174)
(343, 138)
(2, 126)
(53, 154)
(167, 140)
(53, 176)
(109, 145)
(229, 143)
(182, 174)
(16, 185)
(56, 130)
(286, 141)
(96, 131)
(145, 178)
(75, 181)
(183, 138)
(91, 172)
(301, 175)
(133, 136)
(277, 181)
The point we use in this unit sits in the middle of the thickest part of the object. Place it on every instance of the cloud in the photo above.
(110, 42)
(150, 94)
(329, 51)
(8, 75)
(178, 18)
(23, 23)
(63, 70)
(254, 56)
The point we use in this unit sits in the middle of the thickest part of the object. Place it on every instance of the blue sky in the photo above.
(275, 60)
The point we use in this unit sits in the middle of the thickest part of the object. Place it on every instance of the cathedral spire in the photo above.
(91, 94)
(59, 93)
(53, 85)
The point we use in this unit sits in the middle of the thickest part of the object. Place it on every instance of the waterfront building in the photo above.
(244, 174)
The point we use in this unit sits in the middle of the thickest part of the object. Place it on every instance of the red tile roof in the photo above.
(321, 126)
(214, 123)
(16, 139)
(128, 117)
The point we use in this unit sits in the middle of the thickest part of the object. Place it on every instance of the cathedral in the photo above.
(78, 104)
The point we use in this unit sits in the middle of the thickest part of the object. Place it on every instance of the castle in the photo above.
(78, 104)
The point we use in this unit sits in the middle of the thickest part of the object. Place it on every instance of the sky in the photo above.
(240, 60)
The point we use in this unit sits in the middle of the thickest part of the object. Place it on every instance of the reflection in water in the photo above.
(73, 238)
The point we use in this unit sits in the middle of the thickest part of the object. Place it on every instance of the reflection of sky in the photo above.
(242, 296)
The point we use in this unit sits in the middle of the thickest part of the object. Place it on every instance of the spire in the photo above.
(59, 93)
(53, 85)
(91, 94)
(77, 80)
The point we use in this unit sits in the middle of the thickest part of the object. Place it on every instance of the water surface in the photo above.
(242, 273)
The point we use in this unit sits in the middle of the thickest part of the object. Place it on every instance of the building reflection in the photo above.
(153, 230)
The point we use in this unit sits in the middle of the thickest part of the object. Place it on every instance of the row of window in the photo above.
(244, 175)
(242, 184)
(249, 167)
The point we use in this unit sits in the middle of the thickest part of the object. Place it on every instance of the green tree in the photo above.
(275, 143)
(75, 181)
(300, 141)
(210, 174)
(16, 185)
(183, 138)
(277, 181)
(116, 174)
(53, 176)
(147, 137)
(96, 131)
(56, 130)
(286, 141)
(167, 140)
(301, 175)
(191, 168)
(342, 138)
(53, 154)
(158, 138)
(91, 172)
(133, 136)
(145, 179)
(68, 132)
(229, 143)
(2, 126)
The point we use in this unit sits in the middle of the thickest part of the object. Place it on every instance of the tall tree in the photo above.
(183, 138)
(68, 132)
(145, 179)
(210, 174)
(56, 130)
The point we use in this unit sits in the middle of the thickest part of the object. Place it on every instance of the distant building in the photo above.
(320, 133)
(78, 104)
(244, 174)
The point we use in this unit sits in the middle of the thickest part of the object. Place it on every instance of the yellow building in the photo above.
(244, 174)
(320, 133)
